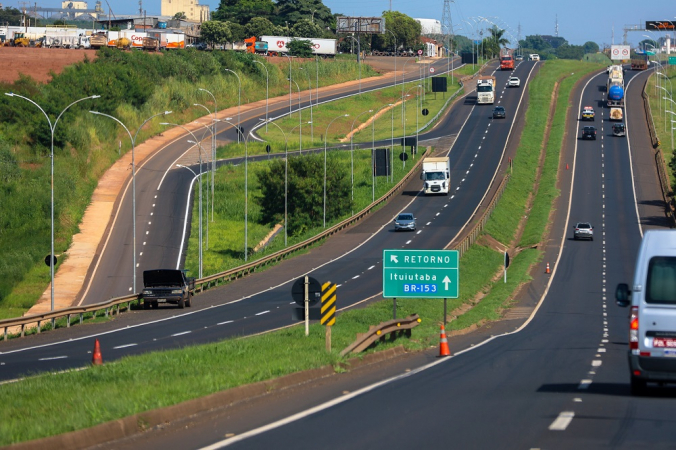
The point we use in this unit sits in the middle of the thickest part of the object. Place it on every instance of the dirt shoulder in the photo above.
(38, 63)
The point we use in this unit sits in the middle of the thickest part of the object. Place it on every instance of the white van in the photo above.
(652, 318)
(534, 57)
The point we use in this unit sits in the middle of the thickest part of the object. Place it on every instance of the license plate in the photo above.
(670, 353)
(161, 300)
(664, 343)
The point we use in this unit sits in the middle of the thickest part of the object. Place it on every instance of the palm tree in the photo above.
(495, 41)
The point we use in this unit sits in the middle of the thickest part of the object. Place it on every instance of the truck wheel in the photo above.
(156, 305)
(146, 305)
(189, 302)
(181, 303)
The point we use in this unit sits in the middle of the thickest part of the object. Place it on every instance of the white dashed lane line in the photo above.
(230, 321)
(181, 333)
(262, 312)
(584, 384)
(370, 268)
(562, 422)
(124, 346)
(52, 358)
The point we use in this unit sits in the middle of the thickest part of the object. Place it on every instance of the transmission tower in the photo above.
(447, 22)
(556, 26)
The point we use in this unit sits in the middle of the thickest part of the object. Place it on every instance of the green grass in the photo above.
(662, 119)
(51, 404)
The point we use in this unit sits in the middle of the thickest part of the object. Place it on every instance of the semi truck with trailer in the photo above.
(485, 90)
(615, 87)
(276, 45)
(436, 175)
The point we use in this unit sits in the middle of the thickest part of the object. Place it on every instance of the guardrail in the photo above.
(667, 193)
(202, 284)
(394, 328)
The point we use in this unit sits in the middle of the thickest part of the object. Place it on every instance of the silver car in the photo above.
(584, 230)
(404, 221)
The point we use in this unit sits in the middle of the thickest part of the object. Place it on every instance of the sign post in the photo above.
(420, 274)
(306, 291)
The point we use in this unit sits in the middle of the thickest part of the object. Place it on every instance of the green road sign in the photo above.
(420, 274)
(672, 60)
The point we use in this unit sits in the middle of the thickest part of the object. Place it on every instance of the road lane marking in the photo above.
(230, 321)
(584, 384)
(124, 346)
(407, 242)
(181, 333)
(52, 358)
(261, 313)
(596, 363)
(366, 269)
(357, 276)
(562, 422)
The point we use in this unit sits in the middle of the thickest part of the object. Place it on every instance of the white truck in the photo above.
(485, 90)
(320, 47)
(436, 175)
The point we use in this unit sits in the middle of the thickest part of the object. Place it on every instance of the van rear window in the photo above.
(661, 283)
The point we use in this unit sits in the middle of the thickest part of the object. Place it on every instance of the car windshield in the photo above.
(405, 217)
(514, 79)
(583, 225)
(499, 109)
(486, 88)
(434, 176)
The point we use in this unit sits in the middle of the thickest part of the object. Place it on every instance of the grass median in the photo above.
(52, 404)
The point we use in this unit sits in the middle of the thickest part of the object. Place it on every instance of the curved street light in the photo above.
(395, 54)
(199, 177)
(309, 87)
(300, 120)
(267, 84)
(200, 149)
(352, 147)
(213, 154)
(325, 137)
(286, 180)
(358, 59)
(239, 101)
(51, 156)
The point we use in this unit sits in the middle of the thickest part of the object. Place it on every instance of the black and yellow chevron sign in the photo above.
(328, 304)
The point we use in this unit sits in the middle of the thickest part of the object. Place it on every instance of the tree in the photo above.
(570, 52)
(536, 43)
(300, 47)
(306, 29)
(10, 16)
(238, 31)
(590, 47)
(260, 26)
(180, 16)
(215, 32)
(406, 29)
(293, 11)
(305, 198)
(242, 11)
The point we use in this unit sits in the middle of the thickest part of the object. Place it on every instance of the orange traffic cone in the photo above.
(97, 359)
(443, 344)
(547, 270)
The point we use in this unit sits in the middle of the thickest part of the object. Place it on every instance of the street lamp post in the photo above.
(358, 59)
(325, 137)
(239, 102)
(300, 121)
(289, 58)
(286, 180)
(395, 55)
(403, 84)
(133, 177)
(246, 192)
(199, 150)
(213, 153)
(267, 84)
(352, 147)
(309, 87)
(199, 177)
(51, 157)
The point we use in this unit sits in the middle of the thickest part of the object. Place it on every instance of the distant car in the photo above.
(499, 112)
(584, 230)
(588, 113)
(404, 221)
(514, 82)
(534, 57)
(619, 129)
(519, 57)
(589, 133)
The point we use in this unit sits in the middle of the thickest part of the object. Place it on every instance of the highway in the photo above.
(559, 381)
(351, 259)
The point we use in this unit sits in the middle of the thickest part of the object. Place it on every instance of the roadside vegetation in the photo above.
(81, 399)
(133, 86)
(657, 89)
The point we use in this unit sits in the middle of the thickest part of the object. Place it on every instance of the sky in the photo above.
(579, 21)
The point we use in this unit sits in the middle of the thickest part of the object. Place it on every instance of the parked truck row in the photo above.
(277, 46)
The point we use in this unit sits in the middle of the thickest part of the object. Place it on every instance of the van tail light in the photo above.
(633, 328)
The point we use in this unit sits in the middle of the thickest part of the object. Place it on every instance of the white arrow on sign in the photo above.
(393, 258)
(446, 282)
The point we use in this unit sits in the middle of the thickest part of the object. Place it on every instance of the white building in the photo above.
(429, 26)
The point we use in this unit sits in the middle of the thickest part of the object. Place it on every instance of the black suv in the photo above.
(589, 133)
(499, 112)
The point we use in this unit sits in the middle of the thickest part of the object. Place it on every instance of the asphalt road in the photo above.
(351, 259)
(561, 381)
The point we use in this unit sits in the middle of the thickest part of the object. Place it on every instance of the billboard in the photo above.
(364, 25)
(619, 52)
(657, 25)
